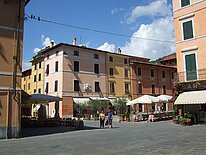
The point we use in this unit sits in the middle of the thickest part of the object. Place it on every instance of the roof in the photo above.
(169, 57)
(83, 47)
(191, 97)
(152, 64)
(26, 72)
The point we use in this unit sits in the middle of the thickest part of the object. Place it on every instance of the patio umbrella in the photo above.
(43, 97)
(164, 98)
(145, 99)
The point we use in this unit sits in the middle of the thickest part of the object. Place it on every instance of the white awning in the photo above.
(192, 97)
(81, 100)
(99, 98)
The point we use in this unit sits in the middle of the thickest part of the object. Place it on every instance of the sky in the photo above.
(144, 27)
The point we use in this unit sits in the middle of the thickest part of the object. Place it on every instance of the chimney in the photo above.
(75, 41)
(119, 50)
(52, 43)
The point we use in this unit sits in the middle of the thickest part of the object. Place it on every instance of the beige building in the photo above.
(190, 31)
(11, 40)
(75, 71)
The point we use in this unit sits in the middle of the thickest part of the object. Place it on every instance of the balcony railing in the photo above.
(191, 75)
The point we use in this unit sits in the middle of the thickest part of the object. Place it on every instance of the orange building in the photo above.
(190, 34)
(11, 40)
(152, 79)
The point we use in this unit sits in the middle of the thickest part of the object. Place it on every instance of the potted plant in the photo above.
(175, 116)
(186, 120)
(127, 115)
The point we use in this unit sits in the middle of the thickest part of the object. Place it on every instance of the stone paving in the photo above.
(132, 138)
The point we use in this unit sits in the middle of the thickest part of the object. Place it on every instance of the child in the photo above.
(102, 119)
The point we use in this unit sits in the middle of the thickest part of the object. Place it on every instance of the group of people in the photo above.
(106, 119)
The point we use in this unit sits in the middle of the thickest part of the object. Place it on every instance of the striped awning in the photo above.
(192, 97)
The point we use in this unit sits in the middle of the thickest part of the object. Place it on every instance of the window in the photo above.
(140, 107)
(96, 87)
(126, 73)
(34, 91)
(76, 53)
(28, 86)
(96, 56)
(140, 88)
(96, 68)
(39, 64)
(56, 86)
(111, 87)
(173, 76)
(164, 89)
(139, 71)
(47, 56)
(125, 61)
(39, 77)
(152, 72)
(190, 65)
(153, 88)
(39, 90)
(187, 30)
(76, 85)
(56, 66)
(76, 66)
(47, 69)
(185, 3)
(34, 78)
(47, 88)
(35, 66)
(163, 74)
(126, 88)
(24, 87)
(111, 71)
(111, 59)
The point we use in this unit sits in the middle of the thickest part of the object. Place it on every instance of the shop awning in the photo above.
(192, 97)
(99, 98)
(81, 100)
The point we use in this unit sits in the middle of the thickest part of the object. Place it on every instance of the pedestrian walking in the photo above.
(102, 119)
(110, 117)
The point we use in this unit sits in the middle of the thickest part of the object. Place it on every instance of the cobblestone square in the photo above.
(132, 138)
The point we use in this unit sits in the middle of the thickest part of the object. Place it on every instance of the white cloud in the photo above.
(45, 41)
(36, 50)
(26, 65)
(107, 47)
(160, 29)
(155, 9)
(115, 10)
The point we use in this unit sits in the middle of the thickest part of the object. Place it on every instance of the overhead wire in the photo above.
(37, 18)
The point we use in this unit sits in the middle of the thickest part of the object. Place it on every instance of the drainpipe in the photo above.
(16, 57)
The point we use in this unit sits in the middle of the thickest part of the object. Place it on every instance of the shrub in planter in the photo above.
(127, 115)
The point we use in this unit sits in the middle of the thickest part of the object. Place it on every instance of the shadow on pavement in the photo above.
(30, 132)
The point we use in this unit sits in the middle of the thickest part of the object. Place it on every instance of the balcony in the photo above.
(188, 76)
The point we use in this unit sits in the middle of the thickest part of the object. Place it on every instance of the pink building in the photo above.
(75, 71)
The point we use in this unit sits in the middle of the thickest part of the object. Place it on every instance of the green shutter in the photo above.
(185, 3)
(187, 30)
(191, 71)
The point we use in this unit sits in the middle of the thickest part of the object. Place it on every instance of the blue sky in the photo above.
(134, 18)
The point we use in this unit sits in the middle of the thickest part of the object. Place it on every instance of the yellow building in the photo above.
(37, 74)
(118, 72)
(26, 81)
